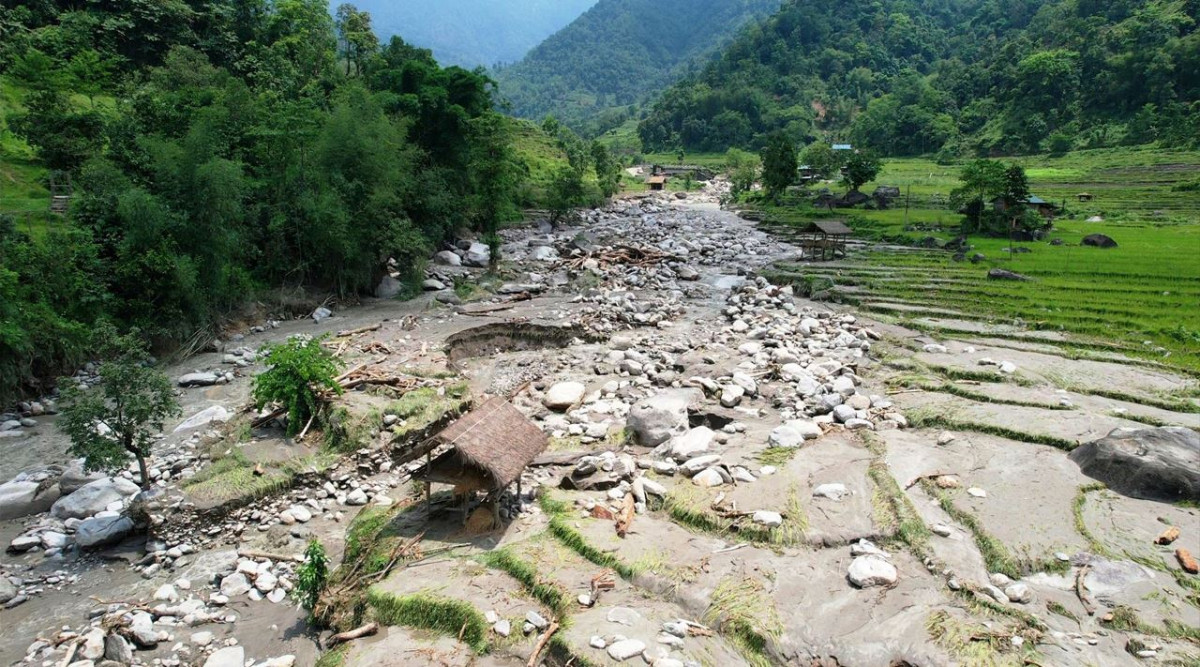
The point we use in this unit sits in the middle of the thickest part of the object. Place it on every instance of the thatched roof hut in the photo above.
(489, 447)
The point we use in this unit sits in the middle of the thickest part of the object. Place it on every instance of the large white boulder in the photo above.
(94, 497)
(563, 395)
(867, 571)
(656, 419)
(691, 444)
(22, 498)
(230, 656)
(794, 433)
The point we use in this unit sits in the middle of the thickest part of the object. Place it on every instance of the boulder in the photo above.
(657, 419)
(22, 498)
(625, 649)
(389, 287)
(230, 656)
(477, 255)
(447, 258)
(118, 650)
(214, 413)
(544, 254)
(433, 285)
(867, 571)
(794, 433)
(563, 395)
(1152, 463)
(99, 532)
(1099, 241)
(692, 444)
(7, 590)
(94, 497)
(75, 477)
(199, 379)
(1005, 274)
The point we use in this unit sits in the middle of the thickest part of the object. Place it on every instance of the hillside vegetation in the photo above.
(222, 154)
(472, 33)
(590, 74)
(963, 77)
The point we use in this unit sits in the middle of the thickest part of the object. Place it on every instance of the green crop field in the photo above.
(1141, 299)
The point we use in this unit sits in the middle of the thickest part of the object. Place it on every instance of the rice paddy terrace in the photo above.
(1139, 300)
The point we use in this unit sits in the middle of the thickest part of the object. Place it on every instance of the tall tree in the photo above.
(779, 164)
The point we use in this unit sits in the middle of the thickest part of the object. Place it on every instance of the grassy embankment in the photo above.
(1139, 298)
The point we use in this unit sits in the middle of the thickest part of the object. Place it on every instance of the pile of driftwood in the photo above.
(619, 255)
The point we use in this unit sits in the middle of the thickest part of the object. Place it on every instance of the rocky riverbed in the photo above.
(735, 476)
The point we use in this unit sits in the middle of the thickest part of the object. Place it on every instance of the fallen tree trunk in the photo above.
(350, 635)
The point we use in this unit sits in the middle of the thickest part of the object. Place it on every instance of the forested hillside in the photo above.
(618, 54)
(959, 76)
(219, 151)
(472, 33)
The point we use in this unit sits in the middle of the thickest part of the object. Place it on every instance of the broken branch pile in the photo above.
(621, 254)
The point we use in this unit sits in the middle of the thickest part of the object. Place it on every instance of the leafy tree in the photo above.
(743, 168)
(608, 169)
(494, 170)
(566, 192)
(982, 181)
(779, 164)
(299, 371)
(358, 40)
(821, 158)
(118, 419)
(63, 137)
(312, 576)
(1016, 186)
(862, 167)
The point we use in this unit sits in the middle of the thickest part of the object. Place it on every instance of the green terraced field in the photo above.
(1141, 298)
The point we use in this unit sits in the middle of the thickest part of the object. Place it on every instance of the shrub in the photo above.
(107, 424)
(300, 369)
(312, 576)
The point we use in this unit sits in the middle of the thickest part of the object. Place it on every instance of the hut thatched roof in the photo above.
(495, 439)
(830, 227)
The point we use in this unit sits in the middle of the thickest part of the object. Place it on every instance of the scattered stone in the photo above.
(831, 491)
(869, 570)
(794, 433)
(625, 649)
(767, 518)
(1099, 241)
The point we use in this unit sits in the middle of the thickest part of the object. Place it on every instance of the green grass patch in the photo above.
(746, 615)
(1126, 619)
(549, 594)
(894, 512)
(980, 397)
(690, 506)
(777, 456)
(1057, 608)
(930, 420)
(232, 477)
(561, 528)
(1094, 545)
(452, 618)
(997, 556)
(972, 644)
(334, 658)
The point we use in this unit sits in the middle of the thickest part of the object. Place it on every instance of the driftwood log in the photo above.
(350, 635)
(541, 645)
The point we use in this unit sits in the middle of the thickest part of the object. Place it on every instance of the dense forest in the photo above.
(591, 74)
(220, 150)
(959, 77)
(472, 33)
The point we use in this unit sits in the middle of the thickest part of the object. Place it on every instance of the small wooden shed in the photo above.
(657, 182)
(825, 239)
(489, 448)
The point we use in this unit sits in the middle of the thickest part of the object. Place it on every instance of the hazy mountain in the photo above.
(619, 52)
(471, 32)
